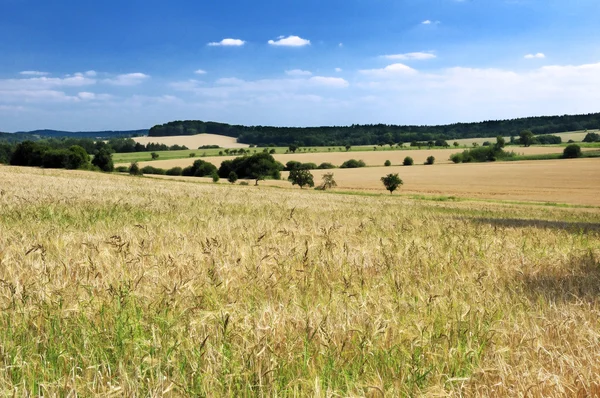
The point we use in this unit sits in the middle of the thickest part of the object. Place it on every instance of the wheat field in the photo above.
(121, 286)
(193, 141)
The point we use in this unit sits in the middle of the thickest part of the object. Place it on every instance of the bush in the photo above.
(325, 166)
(430, 160)
(215, 176)
(175, 171)
(103, 160)
(547, 140)
(387, 163)
(122, 169)
(408, 161)
(456, 158)
(352, 164)
(572, 151)
(327, 183)
(244, 183)
(134, 169)
(200, 168)
(257, 167)
(591, 137)
(232, 177)
(192, 155)
(153, 170)
(209, 147)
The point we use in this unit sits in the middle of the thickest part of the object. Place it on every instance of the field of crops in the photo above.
(125, 286)
(371, 158)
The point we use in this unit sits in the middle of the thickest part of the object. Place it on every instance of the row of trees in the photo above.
(375, 134)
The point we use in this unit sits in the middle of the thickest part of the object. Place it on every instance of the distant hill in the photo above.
(84, 134)
(374, 134)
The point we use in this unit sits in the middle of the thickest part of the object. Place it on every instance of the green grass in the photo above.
(549, 156)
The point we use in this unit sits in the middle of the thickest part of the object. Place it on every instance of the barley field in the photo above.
(121, 286)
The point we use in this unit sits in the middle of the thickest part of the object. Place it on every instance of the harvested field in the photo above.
(193, 141)
(573, 181)
(121, 286)
(372, 158)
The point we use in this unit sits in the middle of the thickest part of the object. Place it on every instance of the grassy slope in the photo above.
(132, 286)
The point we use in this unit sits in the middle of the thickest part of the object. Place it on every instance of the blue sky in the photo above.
(96, 65)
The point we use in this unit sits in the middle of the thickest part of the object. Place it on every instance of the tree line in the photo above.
(378, 134)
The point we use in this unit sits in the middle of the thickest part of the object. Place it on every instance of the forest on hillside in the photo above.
(375, 134)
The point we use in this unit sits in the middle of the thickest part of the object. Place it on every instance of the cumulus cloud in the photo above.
(298, 72)
(91, 73)
(535, 56)
(419, 56)
(426, 22)
(200, 72)
(228, 43)
(33, 73)
(290, 41)
(338, 69)
(390, 70)
(42, 83)
(127, 79)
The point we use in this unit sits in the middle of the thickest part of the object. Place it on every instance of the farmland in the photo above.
(133, 286)
(371, 158)
(193, 141)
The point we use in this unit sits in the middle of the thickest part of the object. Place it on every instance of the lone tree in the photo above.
(430, 160)
(408, 161)
(391, 182)
(301, 178)
(387, 163)
(232, 177)
(572, 151)
(103, 160)
(348, 148)
(500, 143)
(154, 155)
(293, 148)
(134, 169)
(526, 137)
(328, 182)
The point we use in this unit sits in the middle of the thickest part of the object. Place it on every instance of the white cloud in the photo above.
(88, 96)
(298, 72)
(426, 22)
(33, 73)
(228, 43)
(128, 79)
(200, 72)
(290, 41)
(336, 82)
(390, 70)
(91, 73)
(408, 56)
(43, 83)
(338, 70)
(535, 56)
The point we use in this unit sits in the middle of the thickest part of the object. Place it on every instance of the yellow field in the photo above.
(373, 158)
(122, 286)
(573, 181)
(193, 141)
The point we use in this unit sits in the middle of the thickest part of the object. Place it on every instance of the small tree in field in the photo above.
(328, 182)
(408, 161)
(301, 178)
(154, 155)
(232, 177)
(348, 148)
(430, 160)
(215, 176)
(387, 163)
(103, 160)
(391, 182)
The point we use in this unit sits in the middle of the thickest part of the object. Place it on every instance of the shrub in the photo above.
(387, 163)
(572, 151)
(325, 166)
(103, 160)
(154, 155)
(257, 167)
(153, 170)
(391, 182)
(408, 161)
(547, 139)
(175, 171)
(122, 169)
(590, 137)
(456, 158)
(352, 164)
(200, 168)
(430, 160)
(232, 177)
(244, 183)
(134, 169)
(192, 155)
(215, 176)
